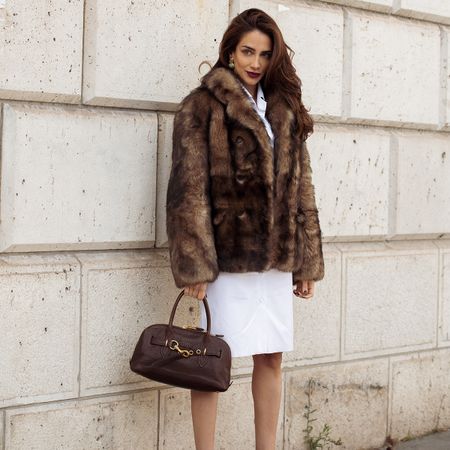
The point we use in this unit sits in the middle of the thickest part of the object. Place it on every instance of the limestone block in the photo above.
(446, 111)
(2, 415)
(389, 297)
(423, 184)
(175, 420)
(351, 179)
(160, 46)
(39, 312)
(235, 418)
(41, 50)
(165, 130)
(438, 10)
(315, 33)
(123, 293)
(420, 384)
(317, 321)
(241, 365)
(91, 186)
(394, 70)
(373, 5)
(119, 422)
(444, 304)
(350, 397)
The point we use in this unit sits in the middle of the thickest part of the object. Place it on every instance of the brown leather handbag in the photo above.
(187, 357)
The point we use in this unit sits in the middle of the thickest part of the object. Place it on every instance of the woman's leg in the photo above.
(204, 413)
(266, 390)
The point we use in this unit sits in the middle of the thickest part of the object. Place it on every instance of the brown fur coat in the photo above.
(229, 206)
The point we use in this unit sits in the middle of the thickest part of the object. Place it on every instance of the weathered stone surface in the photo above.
(315, 33)
(352, 190)
(446, 106)
(373, 5)
(39, 314)
(422, 202)
(90, 186)
(322, 312)
(241, 365)
(351, 398)
(119, 422)
(235, 419)
(389, 297)
(165, 129)
(444, 304)
(123, 293)
(395, 74)
(41, 50)
(438, 10)
(420, 401)
(2, 415)
(159, 44)
(175, 427)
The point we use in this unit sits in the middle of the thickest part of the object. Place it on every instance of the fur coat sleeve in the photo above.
(188, 223)
(313, 265)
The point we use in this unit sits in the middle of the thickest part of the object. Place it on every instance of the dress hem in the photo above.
(262, 353)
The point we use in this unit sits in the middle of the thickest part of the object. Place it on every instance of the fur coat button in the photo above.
(241, 179)
(218, 217)
(301, 217)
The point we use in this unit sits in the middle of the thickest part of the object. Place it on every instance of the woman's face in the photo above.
(252, 56)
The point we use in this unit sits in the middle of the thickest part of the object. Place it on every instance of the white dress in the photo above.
(252, 310)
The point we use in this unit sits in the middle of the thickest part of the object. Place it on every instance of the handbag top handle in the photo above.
(205, 303)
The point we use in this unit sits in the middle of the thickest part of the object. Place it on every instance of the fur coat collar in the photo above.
(226, 88)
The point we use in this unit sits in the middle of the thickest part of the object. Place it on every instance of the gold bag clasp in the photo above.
(174, 345)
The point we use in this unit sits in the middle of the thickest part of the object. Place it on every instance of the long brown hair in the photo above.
(281, 73)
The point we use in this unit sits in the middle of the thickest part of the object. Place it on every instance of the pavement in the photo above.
(435, 441)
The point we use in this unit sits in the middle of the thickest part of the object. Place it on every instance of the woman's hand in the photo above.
(304, 289)
(197, 291)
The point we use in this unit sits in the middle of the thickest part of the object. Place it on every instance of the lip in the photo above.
(253, 74)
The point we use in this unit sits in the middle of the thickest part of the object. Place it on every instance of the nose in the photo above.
(255, 63)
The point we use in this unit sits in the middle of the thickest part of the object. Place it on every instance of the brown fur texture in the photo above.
(233, 204)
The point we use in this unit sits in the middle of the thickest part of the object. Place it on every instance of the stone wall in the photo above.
(87, 94)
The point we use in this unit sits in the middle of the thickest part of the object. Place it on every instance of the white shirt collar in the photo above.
(261, 100)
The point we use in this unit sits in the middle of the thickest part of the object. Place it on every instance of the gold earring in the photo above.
(231, 64)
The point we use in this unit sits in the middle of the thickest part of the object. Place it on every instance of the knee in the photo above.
(270, 360)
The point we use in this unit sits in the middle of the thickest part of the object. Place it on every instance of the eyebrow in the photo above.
(250, 48)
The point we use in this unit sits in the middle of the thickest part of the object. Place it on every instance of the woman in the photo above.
(242, 221)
